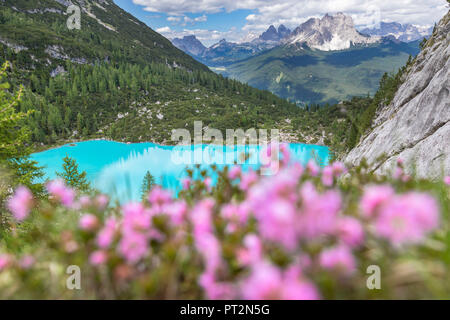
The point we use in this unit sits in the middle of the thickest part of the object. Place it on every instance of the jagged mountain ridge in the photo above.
(189, 44)
(330, 33)
(415, 126)
(403, 32)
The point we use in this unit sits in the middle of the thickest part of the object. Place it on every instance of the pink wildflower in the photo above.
(202, 217)
(208, 183)
(267, 282)
(447, 180)
(186, 183)
(327, 176)
(252, 251)
(133, 246)
(350, 231)
(216, 290)
(88, 222)
(26, 262)
(338, 169)
(407, 218)
(340, 258)
(20, 204)
(234, 172)
(248, 179)
(374, 198)
(98, 257)
(135, 218)
(319, 212)
(101, 201)
(313, 168)
(84, 202)
(5, 261)
(177, 212)
(158, 197)
(106, 236)
(60, 192)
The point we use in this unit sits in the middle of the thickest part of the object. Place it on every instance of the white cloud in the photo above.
(164, 30)
(174, 19)
(293, 12)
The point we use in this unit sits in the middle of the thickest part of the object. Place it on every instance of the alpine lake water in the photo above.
(117, 169)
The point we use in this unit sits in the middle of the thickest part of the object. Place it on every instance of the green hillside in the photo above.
(117, 78)
(311, 76)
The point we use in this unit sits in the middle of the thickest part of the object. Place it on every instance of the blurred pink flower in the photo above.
(319, 212)
(84, 202)
(5, 261)
(106, 236)
(101, 201)
(267, 282)
(98, 257)
(61, 192)
(407, 218)
(248, 179)
(338, 258)
(135, 218)
(208, 183)
(234, 173)
(202, 217)
(313, 168)
(276, 220)
(26, 262)
(374, 198)
(338, 169)
(158, 197)
(21, 202)
(133, 246)
(350, 231)
(252, 252)
(88, 222)
(176, 211)
(186, 183)
(216, 290)
(327, 176)
(447, 180)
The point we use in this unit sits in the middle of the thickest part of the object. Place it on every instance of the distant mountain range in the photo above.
(322, 60)
(402, 32)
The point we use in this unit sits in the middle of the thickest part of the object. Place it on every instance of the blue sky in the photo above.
(238, 20)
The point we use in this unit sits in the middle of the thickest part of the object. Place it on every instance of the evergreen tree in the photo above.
(147, 184)
(72, 177)
(14, 136)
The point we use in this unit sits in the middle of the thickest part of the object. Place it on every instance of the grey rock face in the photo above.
(416, 125)
(189, 44)
(330, 33)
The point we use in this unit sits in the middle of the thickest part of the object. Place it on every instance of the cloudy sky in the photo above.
(235, 20)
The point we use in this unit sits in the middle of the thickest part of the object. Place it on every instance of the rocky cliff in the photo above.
(415, 125)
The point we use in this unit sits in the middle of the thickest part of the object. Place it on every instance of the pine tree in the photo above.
(147, 184)
(14, 135)
(72, 177)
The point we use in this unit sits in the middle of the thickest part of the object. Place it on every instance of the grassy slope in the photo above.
(186, 95)
(304, 75)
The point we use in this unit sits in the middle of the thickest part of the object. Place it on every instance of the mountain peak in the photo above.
(332, 32)
(402, 32)
(189, 44)
(272, 34)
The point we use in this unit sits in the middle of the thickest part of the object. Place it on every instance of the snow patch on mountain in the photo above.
(330, 33)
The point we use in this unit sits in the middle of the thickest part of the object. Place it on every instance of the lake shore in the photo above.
(41, 148)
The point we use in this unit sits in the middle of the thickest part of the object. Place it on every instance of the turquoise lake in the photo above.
(117, 169)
